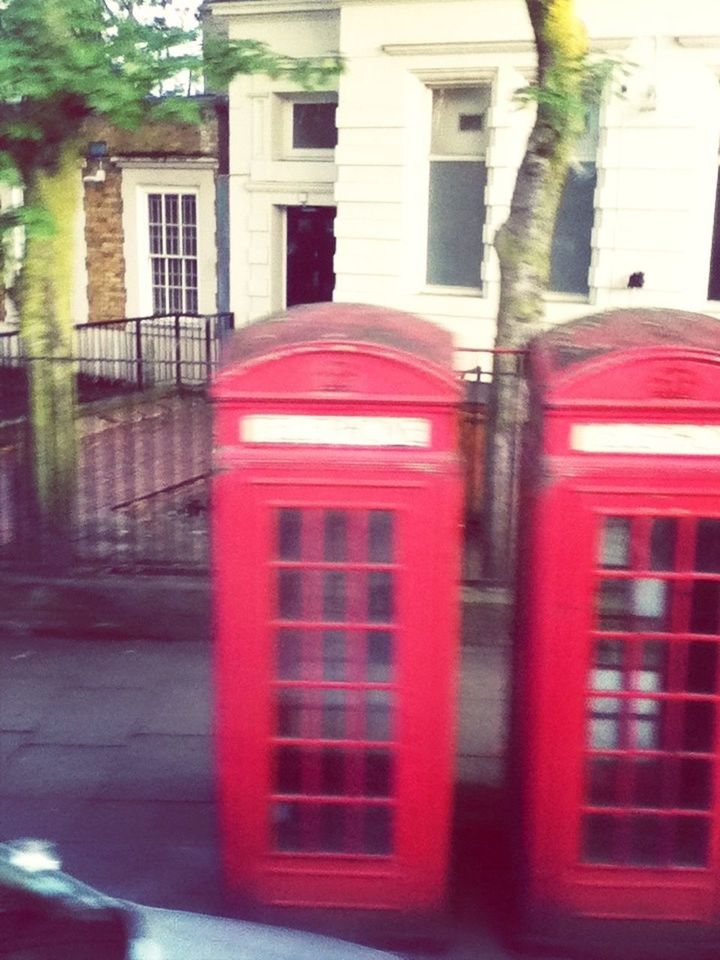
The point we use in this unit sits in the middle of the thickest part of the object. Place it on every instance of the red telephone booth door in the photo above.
(338, 762)
(634, 832)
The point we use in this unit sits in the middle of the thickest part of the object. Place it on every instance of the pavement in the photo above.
(106, 749)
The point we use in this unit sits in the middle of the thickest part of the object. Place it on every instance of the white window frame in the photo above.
(285, 104)
(433, 83)
(141, 178)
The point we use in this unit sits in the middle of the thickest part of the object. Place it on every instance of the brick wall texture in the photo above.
(159, 138)
(104, 256)
(105, 260)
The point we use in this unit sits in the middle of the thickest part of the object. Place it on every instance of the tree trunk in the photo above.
(46, 326)
(523, 246)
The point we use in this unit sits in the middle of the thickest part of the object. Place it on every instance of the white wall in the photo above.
(263, 179)
(657, 157)
(11, 197)
(659, 165)
(80, 306)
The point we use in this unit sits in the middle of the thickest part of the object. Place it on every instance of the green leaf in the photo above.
(36, 220)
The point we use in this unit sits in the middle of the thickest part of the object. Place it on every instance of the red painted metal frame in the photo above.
(327, 363)
(618, 368)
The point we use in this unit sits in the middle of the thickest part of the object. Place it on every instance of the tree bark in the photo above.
(523, 246)
(46, 327)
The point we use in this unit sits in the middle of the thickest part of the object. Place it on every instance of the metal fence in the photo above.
(143, 435)
(476, 372)
(141, 494)
(144, 456)
(178, 349)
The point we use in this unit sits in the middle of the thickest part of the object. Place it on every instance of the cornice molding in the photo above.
(698, 41)
(324, 189)
(459, 47)
(457, 76)
(474, 47)
(233, 8)
(165, 163)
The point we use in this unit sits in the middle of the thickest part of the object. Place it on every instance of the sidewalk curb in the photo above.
(162, 607)
(107, 607)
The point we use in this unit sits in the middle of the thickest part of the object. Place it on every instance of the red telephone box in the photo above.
(617, 652)
(336, 542)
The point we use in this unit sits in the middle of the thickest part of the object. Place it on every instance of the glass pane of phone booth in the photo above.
(652, 692)
(334, 754)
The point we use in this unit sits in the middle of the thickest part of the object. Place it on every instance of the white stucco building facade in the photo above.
(429, 137)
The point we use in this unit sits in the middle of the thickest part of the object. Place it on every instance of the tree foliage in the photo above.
(224, 59)
(62, 61)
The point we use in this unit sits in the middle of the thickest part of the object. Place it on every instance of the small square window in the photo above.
(313, 126)
(472, 121)
(304, 126)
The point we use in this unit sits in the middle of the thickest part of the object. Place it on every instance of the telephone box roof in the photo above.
(557, 351)
(355, 323)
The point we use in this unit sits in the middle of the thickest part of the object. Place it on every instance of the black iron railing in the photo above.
(144, 456)
(178, 349)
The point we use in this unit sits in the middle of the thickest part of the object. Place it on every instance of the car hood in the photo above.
(180, 936)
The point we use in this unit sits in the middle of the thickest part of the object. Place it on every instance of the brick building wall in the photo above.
(105, 260)
(103, 202)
